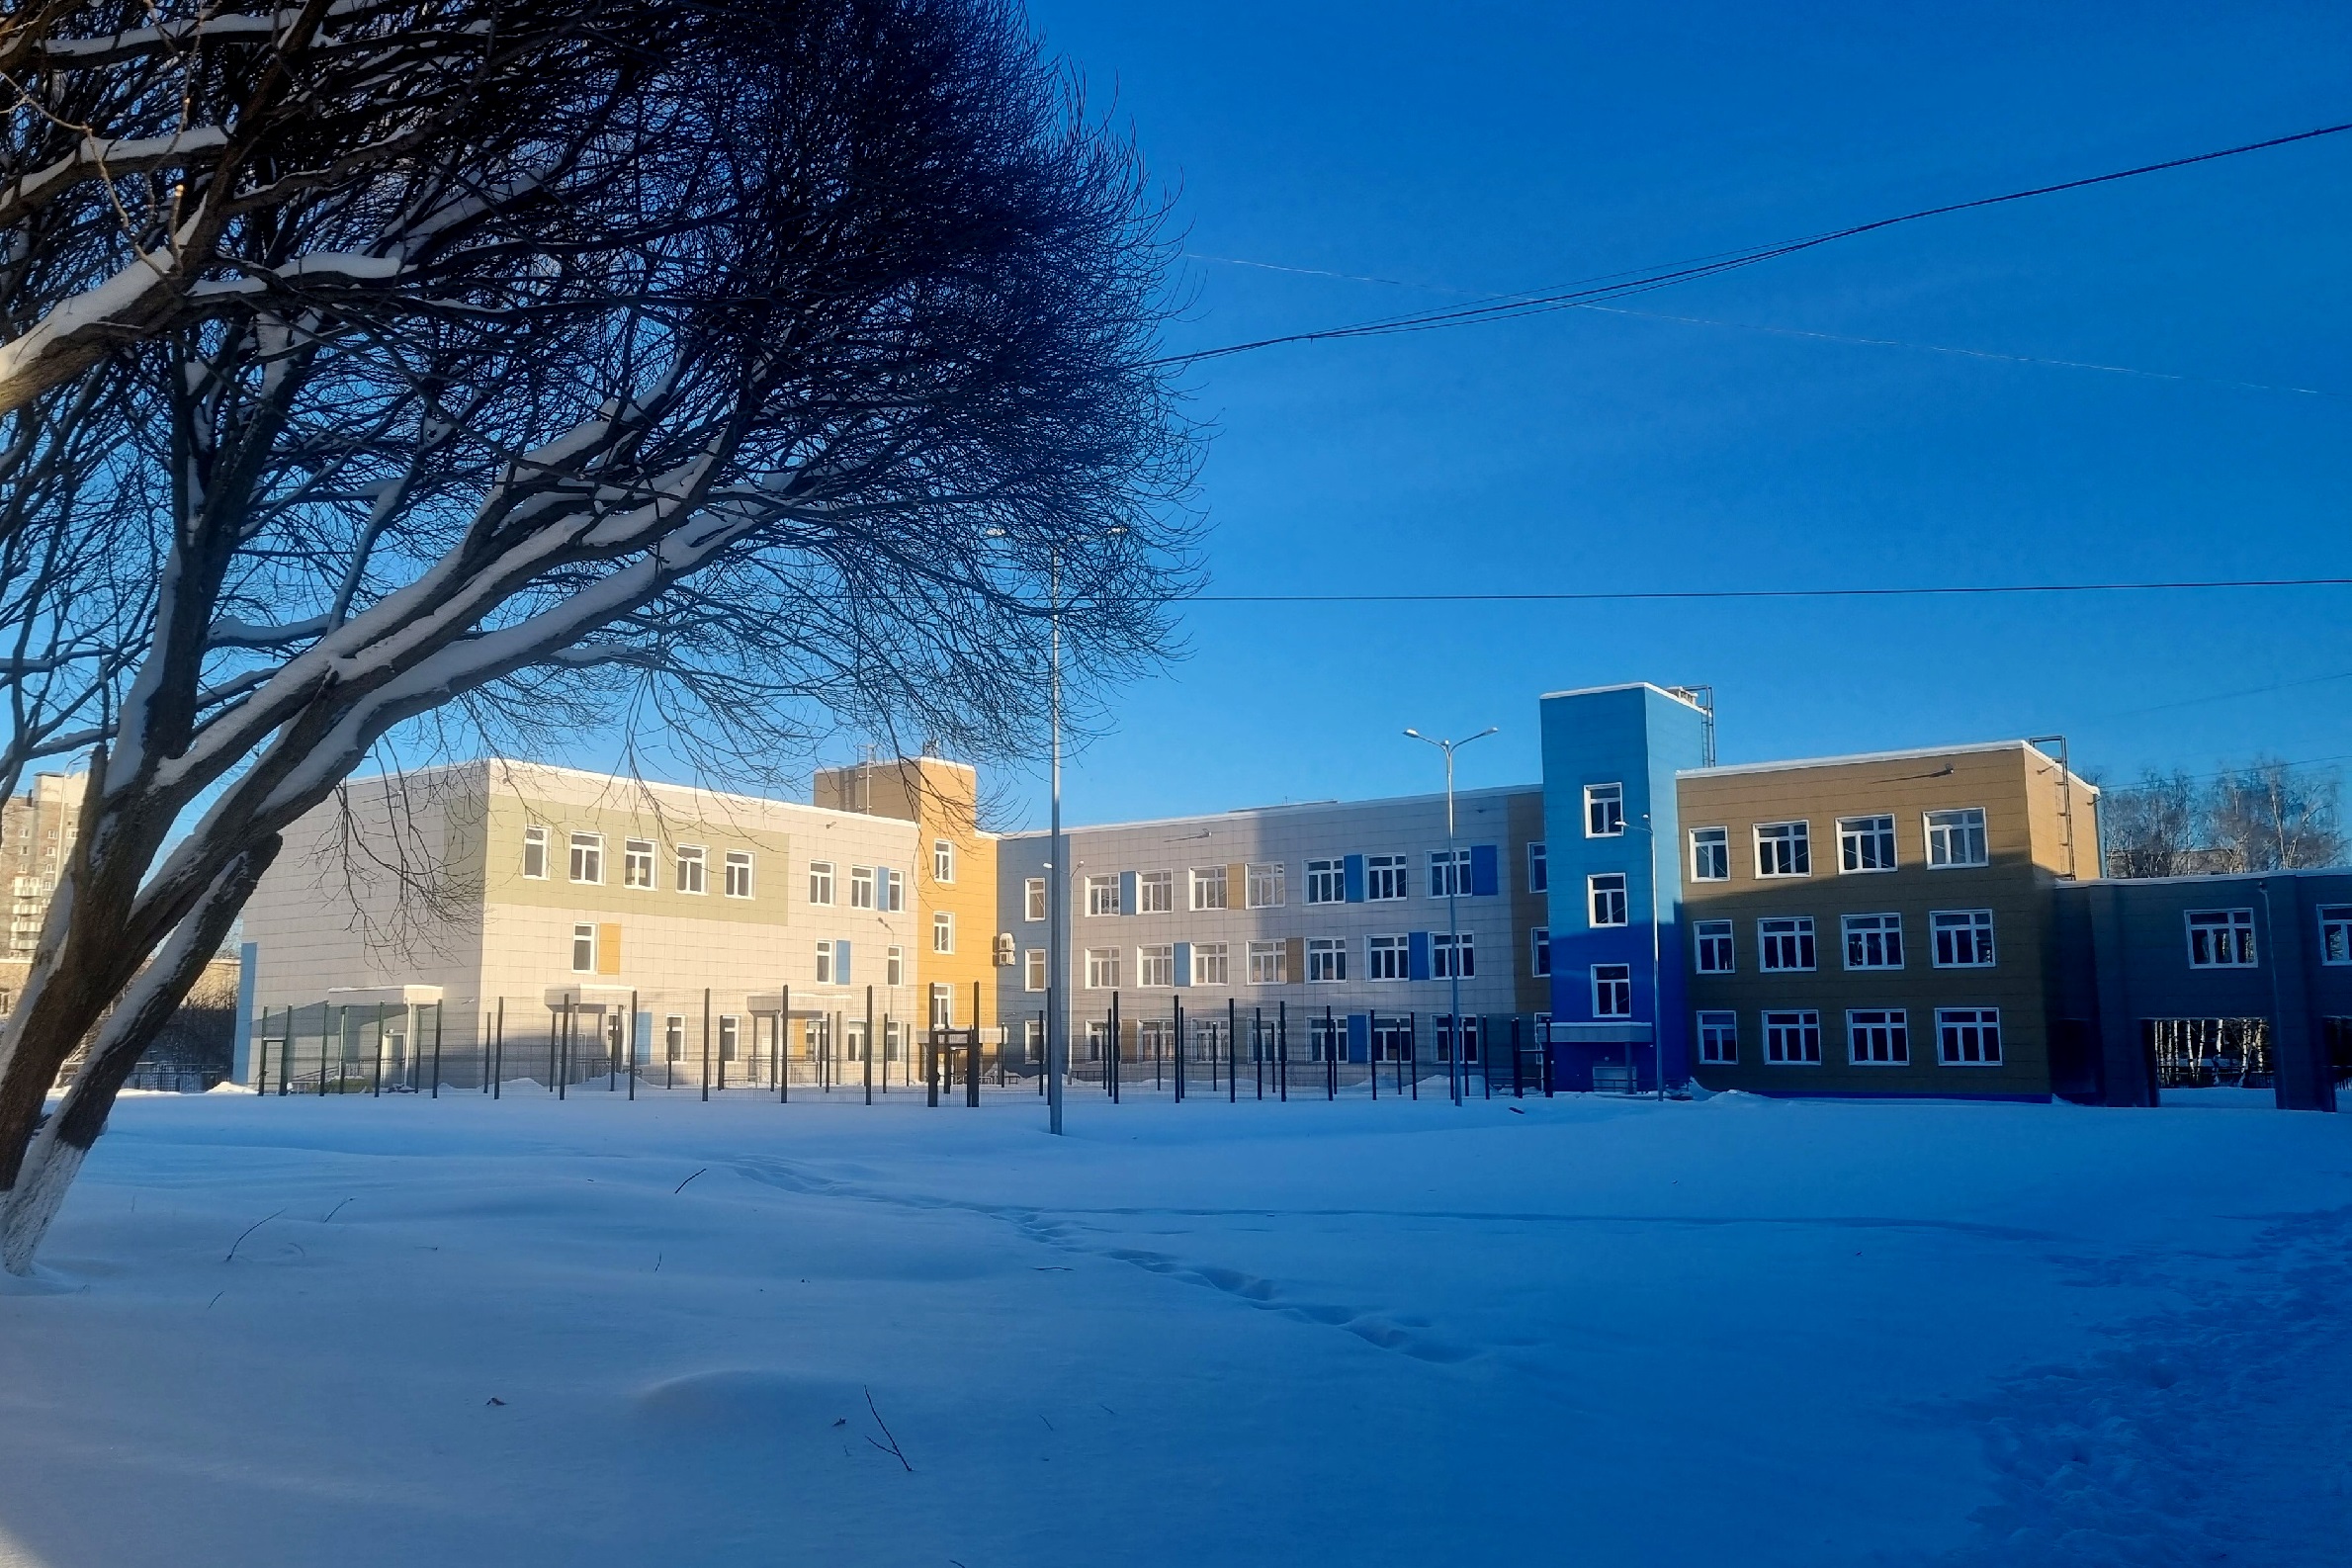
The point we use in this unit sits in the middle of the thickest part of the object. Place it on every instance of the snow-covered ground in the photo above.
(1577, 1331)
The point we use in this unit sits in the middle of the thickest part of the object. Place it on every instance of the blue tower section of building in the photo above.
(1617, 960)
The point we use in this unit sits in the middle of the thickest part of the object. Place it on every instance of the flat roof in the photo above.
(1286, 806)
(1626, 686)
(2208, 876)
(508, 770)
(1860, 759)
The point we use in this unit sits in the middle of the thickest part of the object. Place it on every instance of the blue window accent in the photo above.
(1417, 955)
(1351, 873)
(1184, 962)
(840, 963)
(1359, 1037)
(1485, 877)
(1129, 898)
(641, 1047)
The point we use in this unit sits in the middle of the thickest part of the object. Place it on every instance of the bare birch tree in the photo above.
(396, 361)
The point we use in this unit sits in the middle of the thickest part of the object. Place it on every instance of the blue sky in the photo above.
(1488, 147)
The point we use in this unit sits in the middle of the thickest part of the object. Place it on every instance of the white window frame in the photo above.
(587, 860)
(1612, 990)
(1033, 899)
(1878, 1037)
(1710, 854)
(740, 874)
(1799, 932)
(1388, 957)
(1796, 838)
(1607, 905)
(1540, 953)
(1977, 925)
(942, 862)
(821, 882)
(1155, 893)
(2221, 939)
(534, 838)
(825, 963)
(1717, 1031)
(1327, 880)
(1605, 810)
(1268, 884)
(1102, 894)
(894, 886)
(894, 966)
(942, 930)
(1713, 948)
(1209, 890)
(730, 1036)
(1327, 961)
(1443, 945)
(1866, 845)
(693, 868)
(1960, 1032)
(1103, 969)
(863, 888)
(636, 862)
(1212, 964)
(1881, 929)
(1387, 878)
(2335, 933)
(1154, 966)
(1459, 861)
(583, 948)
(1786, 1027)
(1269, 962)
(1539, 867)
(1956, 839)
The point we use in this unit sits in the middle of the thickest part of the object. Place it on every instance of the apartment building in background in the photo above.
(37, 831)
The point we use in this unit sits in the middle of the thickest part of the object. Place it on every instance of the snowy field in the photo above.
(1578, 1331)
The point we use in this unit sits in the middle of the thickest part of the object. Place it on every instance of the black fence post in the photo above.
(1283, 1050)
(440, 1011)
(1544, 1057)
(1116, 1042)
(630, 1036)
(783, 1043)
(498, 1053)
(706, 1043)
(1232, 1019)
(1179, 1004)
(1518, 1078)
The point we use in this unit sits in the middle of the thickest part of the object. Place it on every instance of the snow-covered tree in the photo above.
(532, 363)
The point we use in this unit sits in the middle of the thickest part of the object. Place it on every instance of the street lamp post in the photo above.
(1057, 1001)
(1455, 1068)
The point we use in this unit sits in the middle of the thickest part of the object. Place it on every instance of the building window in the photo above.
(1719, 1039)
(1327, 960)
(1873, 941)
(739, 874)
(1956, 838)
(1387, 877)
(821, 882)
(894, 966)
(583, 949)
(942, 932)
(636, 863)
(1710, 854)
(861, 887)
(1267, 886)
(942, 1008)
(1605, 810)
(1212, 964)
(1208, 887)
(1388, 958)
(2221, 938)
(1607, 896)
(534, 853)
(1784, 943)
(1444, 1031)
(1327, 1039)
(1033, 899)
(1538, 870)
(1102, 895)
(1102, 968)
(690, 869)
(1793, 1039)
(1442, 947)
(1327, 882)
(942, 860)
(673, 1037)
(1866, 844)
(1540, 953)
(1964, 939)
(1270, 964)
(1783, 850)
(2336, 934)
(587, 857)
(1968, 1036)
(1612, 990)
(729, 1036)
(894, 889)
(1711, 947)
(1155, 893)
(825, 963)
(1878, 1038)
(1449, 873)
(1155, 967)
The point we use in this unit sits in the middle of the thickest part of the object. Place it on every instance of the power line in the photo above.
(1609, 286)
(1654, 595)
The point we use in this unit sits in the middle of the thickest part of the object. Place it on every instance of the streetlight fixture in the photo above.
(1456, 1070)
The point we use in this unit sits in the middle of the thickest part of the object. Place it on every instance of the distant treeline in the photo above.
(2267, 816)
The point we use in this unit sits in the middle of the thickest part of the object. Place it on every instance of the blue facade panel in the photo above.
(1352, 876)
(1485, 882)
(841, 962)
(1417, 955)
(1359, 1037)
(1634, 739)
(1184, 962)
(1130, 901)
